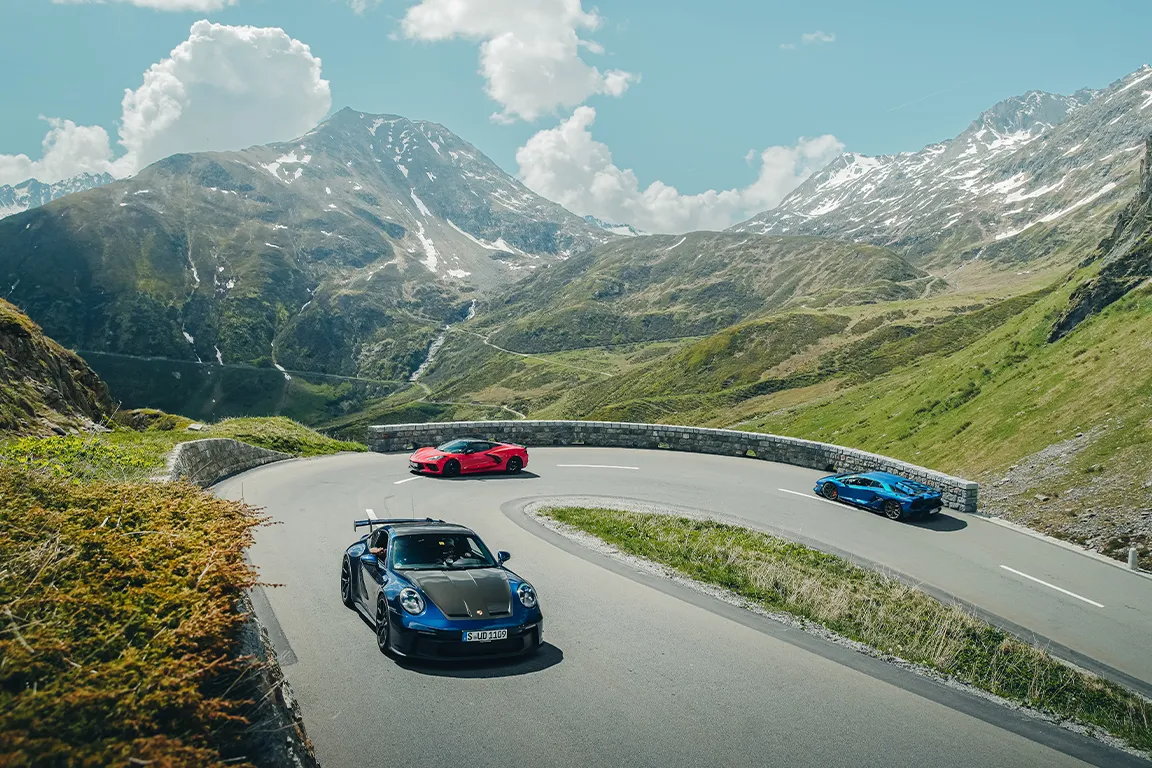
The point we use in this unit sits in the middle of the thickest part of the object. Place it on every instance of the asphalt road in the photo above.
(641, 672)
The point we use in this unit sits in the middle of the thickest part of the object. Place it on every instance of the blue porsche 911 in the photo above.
(433, 590)
(897, 497)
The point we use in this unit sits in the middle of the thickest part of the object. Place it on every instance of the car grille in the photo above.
(451, 647)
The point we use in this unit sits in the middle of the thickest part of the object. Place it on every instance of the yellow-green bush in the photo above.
(119, 623)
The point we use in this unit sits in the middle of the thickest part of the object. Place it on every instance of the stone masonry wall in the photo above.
(209, 461)
(959, 494)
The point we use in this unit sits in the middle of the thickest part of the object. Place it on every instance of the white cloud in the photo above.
(223, 88)
(68, 150)
(567, 165)
(808, 38)
(818, 37)
(529, 52)
(359, 6)
(162, 5)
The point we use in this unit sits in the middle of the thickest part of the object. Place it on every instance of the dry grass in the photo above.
(871, 608)
(119, 625)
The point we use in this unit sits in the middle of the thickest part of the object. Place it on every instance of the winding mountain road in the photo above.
(640, 671)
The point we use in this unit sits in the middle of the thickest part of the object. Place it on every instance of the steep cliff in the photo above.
(1125, 258)
(44, 388)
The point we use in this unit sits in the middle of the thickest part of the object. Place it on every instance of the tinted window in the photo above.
(439, 551)
(453, 446)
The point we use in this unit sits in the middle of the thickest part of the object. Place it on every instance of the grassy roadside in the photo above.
(133, 453)
(870, 608)
(119, 631)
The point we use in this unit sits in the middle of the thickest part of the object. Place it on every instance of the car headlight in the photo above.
(527, 595)
(411, 601)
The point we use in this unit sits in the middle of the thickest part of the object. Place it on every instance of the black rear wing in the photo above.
(395, 521)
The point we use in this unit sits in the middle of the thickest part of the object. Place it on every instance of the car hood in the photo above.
(424, 453)
(473, 593)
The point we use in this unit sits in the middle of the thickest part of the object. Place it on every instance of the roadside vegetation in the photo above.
(118, 603)
(870, 608)
(123, 634)
(140, 440)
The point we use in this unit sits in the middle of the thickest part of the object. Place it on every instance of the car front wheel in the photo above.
(829, 491)
(451, 468)
(893, 510)
(382, 630)
(346, 582)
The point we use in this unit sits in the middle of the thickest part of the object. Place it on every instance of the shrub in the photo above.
(120, 623)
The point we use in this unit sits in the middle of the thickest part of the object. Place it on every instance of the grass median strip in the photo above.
(870, 608)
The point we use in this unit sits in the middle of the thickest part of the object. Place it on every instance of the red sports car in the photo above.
(469, 455)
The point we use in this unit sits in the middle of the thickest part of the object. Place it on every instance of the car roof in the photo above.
(415, 528)
(887, 477)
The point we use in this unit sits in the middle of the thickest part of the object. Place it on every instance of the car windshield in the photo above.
(453, 446)
(439, 552)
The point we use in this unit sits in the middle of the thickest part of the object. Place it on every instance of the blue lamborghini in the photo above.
(897, 497)
(433, 590)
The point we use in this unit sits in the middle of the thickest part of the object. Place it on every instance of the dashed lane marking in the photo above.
(810, 496)
(596, 466)
(406, 480)
(1052, 586)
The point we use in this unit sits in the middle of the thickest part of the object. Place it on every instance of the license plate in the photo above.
(485, 635)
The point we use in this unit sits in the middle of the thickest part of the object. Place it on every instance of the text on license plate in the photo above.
(485, 635)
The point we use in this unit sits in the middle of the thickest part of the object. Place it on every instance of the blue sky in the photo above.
(713, 80)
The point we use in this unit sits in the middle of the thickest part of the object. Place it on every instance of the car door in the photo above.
(851, 489)
(477, 458)
(867, 491)
(373, 575)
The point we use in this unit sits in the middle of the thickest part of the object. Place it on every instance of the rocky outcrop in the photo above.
(44, 388)
(1125, 257)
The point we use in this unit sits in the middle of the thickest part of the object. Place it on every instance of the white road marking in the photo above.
(1052, 586)
(810, 496)
(406, 480)
(596, 466)
(371, 514)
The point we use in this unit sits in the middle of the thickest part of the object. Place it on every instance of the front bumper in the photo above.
(447, 644)
(423, 466)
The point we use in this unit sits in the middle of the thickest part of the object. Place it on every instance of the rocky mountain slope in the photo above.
(343, 251)
(1036, 176)
(1124, 258)
(666, 286)
(44, 388)
(32, 193)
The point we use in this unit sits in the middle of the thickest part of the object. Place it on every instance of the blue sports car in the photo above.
(433, 590)
(897, 497)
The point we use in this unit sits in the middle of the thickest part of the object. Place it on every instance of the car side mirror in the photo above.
(369, 560)
(503, 556)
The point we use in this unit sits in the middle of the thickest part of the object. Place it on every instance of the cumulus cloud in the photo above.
(162, 5)
(225, 87)
(529, 52)
(567, 165)
(68, 150)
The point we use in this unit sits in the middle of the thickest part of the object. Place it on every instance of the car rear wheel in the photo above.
(515, 464)
(382, 630)
(893, 510)
(829, 492)
(451, 468)
(346, 582)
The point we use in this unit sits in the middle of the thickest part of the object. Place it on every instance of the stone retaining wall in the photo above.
(959, 494)
(209, 461)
